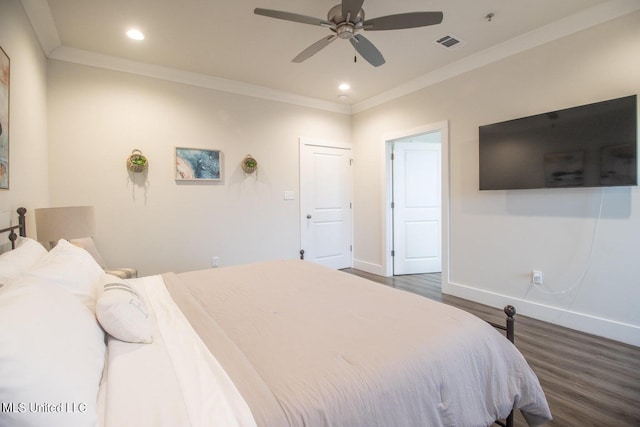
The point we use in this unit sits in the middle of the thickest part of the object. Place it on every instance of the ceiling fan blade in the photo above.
(352, 6)
(288, 16)
(368, 51)
(314, 48)
(403, 20)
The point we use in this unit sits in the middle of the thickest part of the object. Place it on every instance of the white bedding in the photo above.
(308, 346)
(280, 343)
(172, 382)
(286, 343)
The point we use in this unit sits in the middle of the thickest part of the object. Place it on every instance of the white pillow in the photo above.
(51, 357)
(89, 245)
(122, 312)
(72, 268)
(24, 256)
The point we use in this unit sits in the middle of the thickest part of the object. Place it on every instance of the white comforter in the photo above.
(284, 332)
(308, 346)
(173, 382)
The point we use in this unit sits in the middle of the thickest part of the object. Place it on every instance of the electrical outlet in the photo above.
(215, 261)
(536, 277)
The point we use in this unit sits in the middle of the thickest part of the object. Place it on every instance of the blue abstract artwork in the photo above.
(198, 164)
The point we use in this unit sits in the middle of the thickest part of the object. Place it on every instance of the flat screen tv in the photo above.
(592, 145)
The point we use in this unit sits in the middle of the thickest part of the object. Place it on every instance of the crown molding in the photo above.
(41, 19)
(43, 24)
(588, 18)
(92, 59)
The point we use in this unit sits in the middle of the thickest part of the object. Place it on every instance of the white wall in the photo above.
(97, 117)
(28, 115)
(498, 237)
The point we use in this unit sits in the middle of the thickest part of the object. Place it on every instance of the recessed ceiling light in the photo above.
(344, 87)
(135, 34)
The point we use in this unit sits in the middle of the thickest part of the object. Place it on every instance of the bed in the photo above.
(278, 343)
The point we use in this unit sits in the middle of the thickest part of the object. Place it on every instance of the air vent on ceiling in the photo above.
(450, 41)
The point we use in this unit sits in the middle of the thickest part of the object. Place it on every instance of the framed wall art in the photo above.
(4, 119)
(197, 164)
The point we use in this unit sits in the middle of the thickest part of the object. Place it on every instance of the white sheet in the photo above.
(173, 382)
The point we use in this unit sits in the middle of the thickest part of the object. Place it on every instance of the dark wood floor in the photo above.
(588, 380)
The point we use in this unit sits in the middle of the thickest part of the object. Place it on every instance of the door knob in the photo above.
(308, 216)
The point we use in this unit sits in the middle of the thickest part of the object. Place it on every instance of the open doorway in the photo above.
(416, 204)
(417, 201)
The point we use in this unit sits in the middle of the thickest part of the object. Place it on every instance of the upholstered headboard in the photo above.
(21, 227)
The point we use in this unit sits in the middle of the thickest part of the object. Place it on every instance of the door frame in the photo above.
(302, 141)
(387, 189)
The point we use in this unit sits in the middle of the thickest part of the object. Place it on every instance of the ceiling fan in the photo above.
(346, 19)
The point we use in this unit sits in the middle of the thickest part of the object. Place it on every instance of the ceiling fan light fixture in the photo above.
(345, 31)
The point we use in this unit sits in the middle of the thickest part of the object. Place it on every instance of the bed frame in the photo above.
(509, 310)
(21, 227)
(509, 328)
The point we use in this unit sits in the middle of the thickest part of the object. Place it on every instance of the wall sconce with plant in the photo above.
(137, 162)
(249, 164)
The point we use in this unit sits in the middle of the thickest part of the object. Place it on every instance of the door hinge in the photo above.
(393, 156)
(350, 162)
(393, 253)
(350, 248)
(393, 205)
(350, 205)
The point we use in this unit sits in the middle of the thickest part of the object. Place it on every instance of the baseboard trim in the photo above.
(369, 267)
(611, 329)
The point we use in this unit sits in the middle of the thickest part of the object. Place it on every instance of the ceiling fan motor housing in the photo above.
(345, 28)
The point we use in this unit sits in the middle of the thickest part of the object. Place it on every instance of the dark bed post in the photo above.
(12, 238)
(22, 221)
(22, 228)
(510, 311)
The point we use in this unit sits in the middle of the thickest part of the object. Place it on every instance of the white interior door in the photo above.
(416, 207)
(325, 204)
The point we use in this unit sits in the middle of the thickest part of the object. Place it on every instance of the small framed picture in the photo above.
(197, 164)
